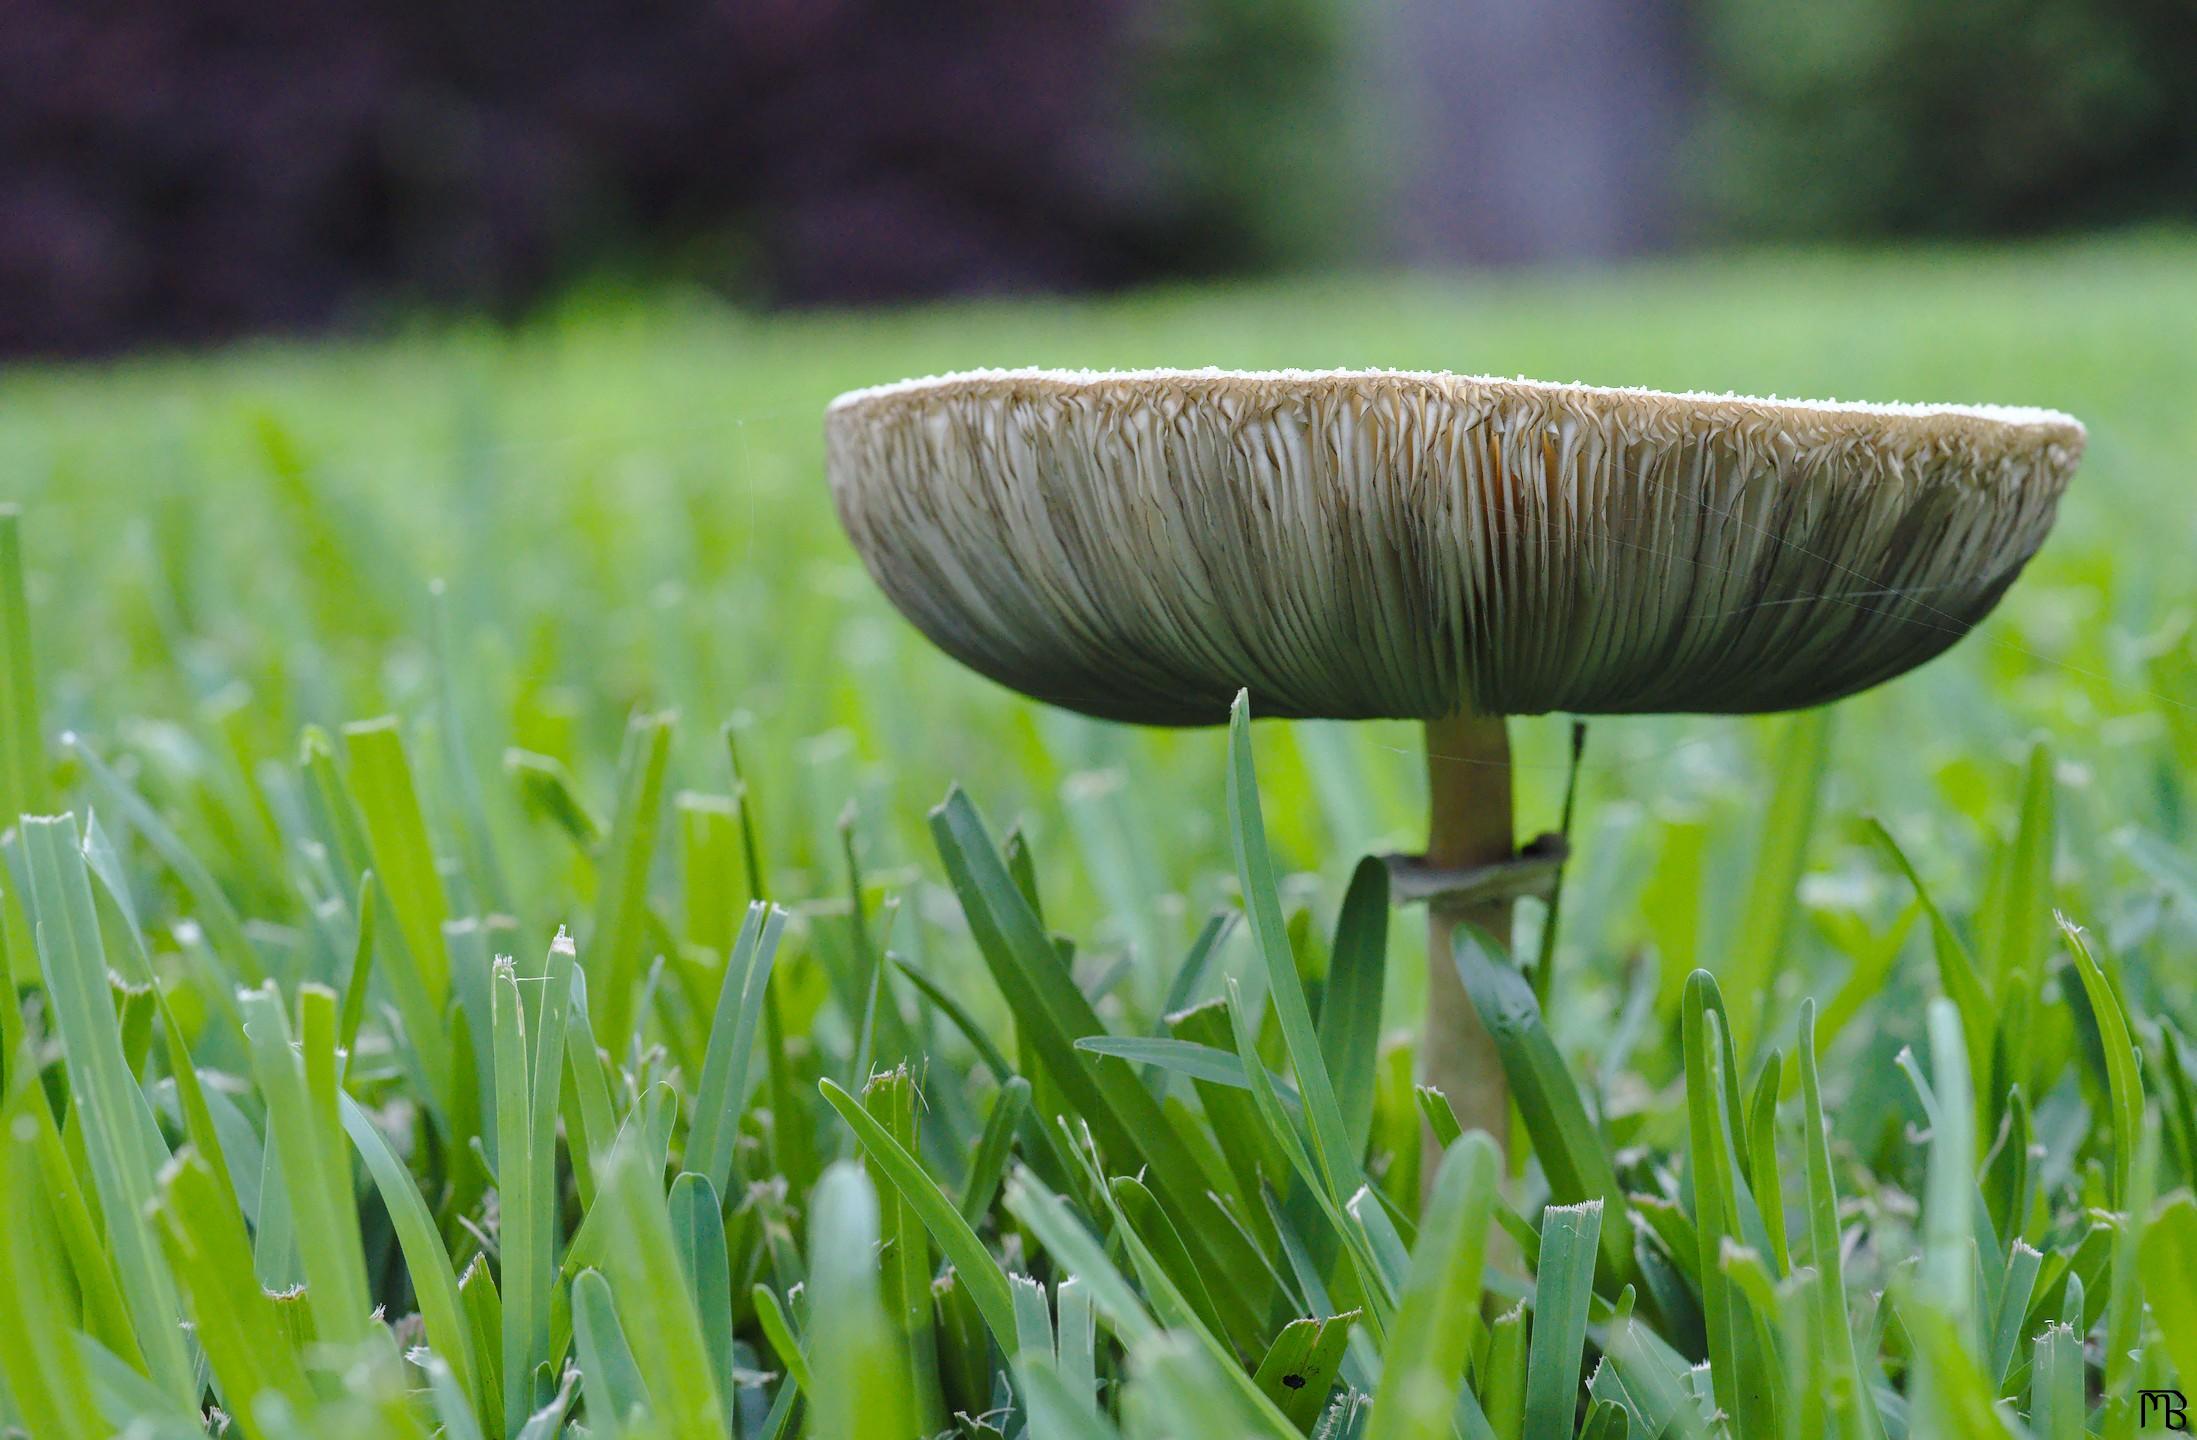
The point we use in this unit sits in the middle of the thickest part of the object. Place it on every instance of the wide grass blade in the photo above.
(426, 1258)
(404, 863)
(1338, 1158)
(248, 1346)
(44, 1373)
(120, 1138)
(972, 1263)
(529, 1066)
(298, 1084)
(2169, 1248)
(1300, 1367)
(1350, 1010)
(2013, 926)
(861, 1385)
(23, 783)
(1849, 1395)
(1439, 1304)
(617, 1400)
(698, 1233)
(1744, 1384)
(616, 940)
(2124, 1085)
(714, 1131)
(1563, 1288)
(1572, 1152)
(655, 1302)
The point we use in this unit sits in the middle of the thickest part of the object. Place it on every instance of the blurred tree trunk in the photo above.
(1531, 130)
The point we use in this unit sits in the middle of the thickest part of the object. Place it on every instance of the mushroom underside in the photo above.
(1404, 550)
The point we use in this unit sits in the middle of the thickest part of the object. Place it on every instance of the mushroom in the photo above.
(1347, 545)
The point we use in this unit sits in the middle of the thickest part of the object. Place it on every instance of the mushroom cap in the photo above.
(1354, 544)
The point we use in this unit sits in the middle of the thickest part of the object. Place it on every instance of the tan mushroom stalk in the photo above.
(1353, 545)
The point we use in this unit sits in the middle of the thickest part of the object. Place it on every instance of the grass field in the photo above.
(571, 561)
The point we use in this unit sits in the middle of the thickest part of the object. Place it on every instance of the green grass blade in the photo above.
(1500, 1379)
(1077, 1337)
(2017, 1289)
(1743, 1386)
(1758, 946)
(547, 790)
(971, 1261)
(247, 1345)
(861, 1390)
(2056, 1381)
(44, 1373)
(616, 939)
(2169, 1248)
(484, 1326)
(770, 1317)
(1438, 1308)
(2124, 1085)
(1947, 1286)
(655, 1306)
(1849, 1396)
(1572, 1151)
(1563, 1286)
(904, 1287)
(24, 788)
(714, 1135)
(1301, 1366)
(522, 1205)
(1350, 1010)
(120, 1137)
(616, 1398)
(989, 1165)
(403, 862)
(2012, 929)
(298, 1085)
(1188, 1058)
(1331, 1136)
(1033, 1319)
(698, 1231)
(426, 1257)
(62, 1190)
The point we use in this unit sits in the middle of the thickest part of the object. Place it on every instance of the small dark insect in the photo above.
(1294, 1382)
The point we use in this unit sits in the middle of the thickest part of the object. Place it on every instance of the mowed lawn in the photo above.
(585, 563)
(625, 504)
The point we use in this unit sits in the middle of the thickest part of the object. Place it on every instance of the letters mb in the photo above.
(2163, 1407)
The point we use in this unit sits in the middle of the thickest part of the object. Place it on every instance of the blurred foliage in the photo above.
(188, 172)
(1922, 117)
(1250, 122)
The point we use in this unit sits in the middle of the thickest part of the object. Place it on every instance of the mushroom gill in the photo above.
(1139, 546)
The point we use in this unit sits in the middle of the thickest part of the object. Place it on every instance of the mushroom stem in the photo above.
(1469, 824)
